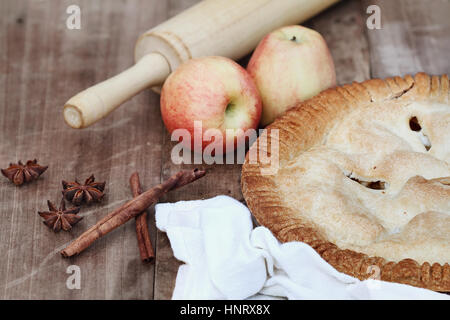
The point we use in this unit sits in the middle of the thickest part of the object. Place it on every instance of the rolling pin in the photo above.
(229, 28)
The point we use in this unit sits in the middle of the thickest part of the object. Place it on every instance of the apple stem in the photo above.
(229, 108)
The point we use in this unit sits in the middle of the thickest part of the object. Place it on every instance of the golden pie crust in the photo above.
(364, 179)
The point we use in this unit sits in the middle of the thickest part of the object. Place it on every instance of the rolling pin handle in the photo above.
(96, 102)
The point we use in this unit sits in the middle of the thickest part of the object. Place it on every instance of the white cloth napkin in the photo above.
(225, 258)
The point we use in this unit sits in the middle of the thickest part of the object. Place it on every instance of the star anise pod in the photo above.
(60, 218)
(20, 173)
(89, 192)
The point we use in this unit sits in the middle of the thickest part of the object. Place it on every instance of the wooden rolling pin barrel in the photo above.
(229, 28)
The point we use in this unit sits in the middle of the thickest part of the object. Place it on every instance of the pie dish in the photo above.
(363, 177)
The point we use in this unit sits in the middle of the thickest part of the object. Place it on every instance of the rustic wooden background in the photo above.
(42, 64)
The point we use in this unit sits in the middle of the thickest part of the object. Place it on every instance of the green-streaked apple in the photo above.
(290, 65)
(215, 91)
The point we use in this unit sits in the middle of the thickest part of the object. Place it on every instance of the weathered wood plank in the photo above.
(42, 65)
(166, 265)
(413, 38)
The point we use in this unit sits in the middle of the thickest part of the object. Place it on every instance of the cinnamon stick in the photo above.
(129, 210)
(143, 236)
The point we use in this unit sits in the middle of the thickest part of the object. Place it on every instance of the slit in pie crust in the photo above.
(364, 178)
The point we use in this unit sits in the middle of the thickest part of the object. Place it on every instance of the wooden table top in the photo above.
(42, 64)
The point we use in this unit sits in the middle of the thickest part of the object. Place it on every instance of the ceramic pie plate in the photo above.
(363, 177)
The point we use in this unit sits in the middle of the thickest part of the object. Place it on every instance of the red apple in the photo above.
(290, 65)
(216, 93)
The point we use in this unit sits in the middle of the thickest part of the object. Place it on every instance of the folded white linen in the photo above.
(226, 258)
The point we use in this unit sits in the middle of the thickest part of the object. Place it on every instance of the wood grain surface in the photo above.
(42, 64)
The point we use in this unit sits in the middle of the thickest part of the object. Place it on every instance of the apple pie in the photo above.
(363, 177)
